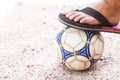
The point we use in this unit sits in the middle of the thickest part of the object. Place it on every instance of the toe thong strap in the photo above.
(103, 21)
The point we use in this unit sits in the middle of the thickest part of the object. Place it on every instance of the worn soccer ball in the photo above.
(79, 49)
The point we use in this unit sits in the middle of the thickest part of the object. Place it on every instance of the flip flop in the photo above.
(104, 25)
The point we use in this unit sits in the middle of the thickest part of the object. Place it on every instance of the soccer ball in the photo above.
(79, 49)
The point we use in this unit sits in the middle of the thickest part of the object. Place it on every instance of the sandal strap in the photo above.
(96, 15)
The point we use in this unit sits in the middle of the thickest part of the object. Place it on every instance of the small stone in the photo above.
(44, 22)
(33, 49)
(6, 77)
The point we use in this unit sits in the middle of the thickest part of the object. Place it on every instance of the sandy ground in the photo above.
(26, 47)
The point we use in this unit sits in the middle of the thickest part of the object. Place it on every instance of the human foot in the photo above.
(102, 7)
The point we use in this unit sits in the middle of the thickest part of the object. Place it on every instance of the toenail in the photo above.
(70, 17)
(67, 15)
(75, 20)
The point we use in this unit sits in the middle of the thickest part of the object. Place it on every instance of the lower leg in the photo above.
(115, 4)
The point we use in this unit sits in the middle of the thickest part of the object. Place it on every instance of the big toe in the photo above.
(89, 20)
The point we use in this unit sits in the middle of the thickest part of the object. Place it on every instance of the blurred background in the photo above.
(7, 6)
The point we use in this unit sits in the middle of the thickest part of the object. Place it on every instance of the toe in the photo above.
(88, 20)
(78, 18)
(72, 17)
(69, 14)
(84, 20)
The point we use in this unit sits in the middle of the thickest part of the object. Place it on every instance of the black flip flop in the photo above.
(104, 25)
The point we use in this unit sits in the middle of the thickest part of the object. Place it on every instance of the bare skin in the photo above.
(109, 8)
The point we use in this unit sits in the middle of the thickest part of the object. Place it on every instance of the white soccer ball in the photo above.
(79, 49)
